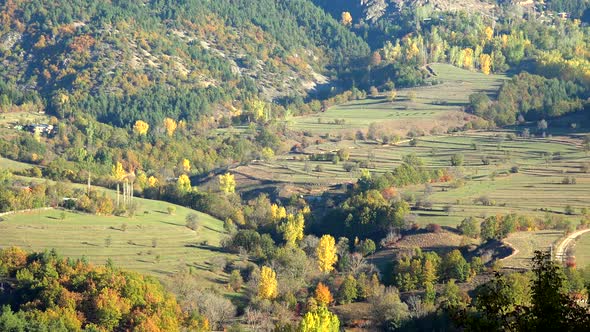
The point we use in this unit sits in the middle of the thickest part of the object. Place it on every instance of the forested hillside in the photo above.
(125, 60)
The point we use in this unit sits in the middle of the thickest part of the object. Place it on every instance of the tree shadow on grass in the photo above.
(206, 247)
(213, 230)
(170, 223)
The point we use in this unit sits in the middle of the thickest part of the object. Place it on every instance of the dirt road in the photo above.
(561, 249)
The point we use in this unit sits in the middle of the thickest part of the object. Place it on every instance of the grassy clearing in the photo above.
(526, 243)
(152, 242)
(582, 250)
(13, 165)
(439, 104)
(22, 118)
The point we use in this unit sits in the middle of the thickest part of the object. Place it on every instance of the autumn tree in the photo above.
(186, 165)
(486, 63)
(141, 127)
(183, 184)
(268, 285)
(292, 229)
(319, 320)
(170, 126)
(227, 183)
(346, 19)
(278, 213)
(152, 181)
(326, 253)
(323, 295)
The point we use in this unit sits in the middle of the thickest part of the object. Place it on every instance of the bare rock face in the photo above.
(9, 40)
(374, 9)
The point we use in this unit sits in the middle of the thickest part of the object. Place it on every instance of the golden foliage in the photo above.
(183, 183)
(277, 213)
(326, 253)
(82, 43)
(152, 181)
(170, 126)
(141, 127)
(486, 63)
(488, 33)
(186, 165)
(268, 286)
(118, 172)
(319, 320)
(346, 19)
(293, 229)
(467, 58)
(323, 295)
(227, 183)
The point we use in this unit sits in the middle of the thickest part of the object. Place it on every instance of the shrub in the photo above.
(434, 228)
(192, 221)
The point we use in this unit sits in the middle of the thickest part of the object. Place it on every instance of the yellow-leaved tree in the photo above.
(319, 320)
(268, 285)
(183, 183)
(293, 228)
(485, 62)
(170, 126)
(118, 172)
(227, 183)
(277, 213)
(267, 154)
(488, 33)
(346, 19)
(326, 253)
(186, 165)
(152, 181)
(141, 127)
(467, 58)
(323, 295)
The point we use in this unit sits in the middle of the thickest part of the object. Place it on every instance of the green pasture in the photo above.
(13, 165)
(153, 241)
(526, 243)
(429, 103)
(542, 165)
(582, 250)
(22, 118)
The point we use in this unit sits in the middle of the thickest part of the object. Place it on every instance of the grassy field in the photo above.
(438, 104)
(13, 165)
(526, 243)
(152, 242)
(536, 185)
(582, 250)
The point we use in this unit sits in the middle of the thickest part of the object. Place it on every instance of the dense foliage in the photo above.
(50, 293)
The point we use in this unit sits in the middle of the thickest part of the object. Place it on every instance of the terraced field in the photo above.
(440, 105)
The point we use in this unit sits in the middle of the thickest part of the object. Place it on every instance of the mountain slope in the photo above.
(181, 59)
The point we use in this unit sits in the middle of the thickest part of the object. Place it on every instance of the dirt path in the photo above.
(514, 250)
(561, 249)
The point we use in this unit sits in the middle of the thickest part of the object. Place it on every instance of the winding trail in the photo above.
(561, 249)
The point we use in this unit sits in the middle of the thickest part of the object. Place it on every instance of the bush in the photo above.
(434, 228)
(457, 159)
(192, 221)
